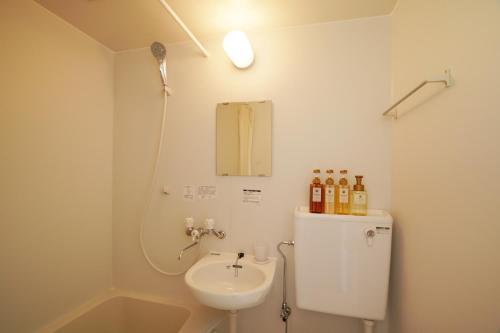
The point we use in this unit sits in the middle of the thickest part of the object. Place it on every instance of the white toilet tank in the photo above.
(342, 263)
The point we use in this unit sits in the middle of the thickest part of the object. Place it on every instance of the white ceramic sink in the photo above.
(215, 285)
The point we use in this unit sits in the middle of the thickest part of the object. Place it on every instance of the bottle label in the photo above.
(316, 194)
(344, 195)
(359, 198)
(330, 195)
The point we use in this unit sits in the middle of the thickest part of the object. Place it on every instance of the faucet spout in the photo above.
(237, 266)
(186, 248)
(238, 257)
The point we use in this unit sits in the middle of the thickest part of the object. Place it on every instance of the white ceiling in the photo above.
(129, 24)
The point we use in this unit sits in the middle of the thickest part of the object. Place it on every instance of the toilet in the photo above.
(342, 263)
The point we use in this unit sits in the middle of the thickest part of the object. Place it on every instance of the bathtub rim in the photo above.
(201, 319)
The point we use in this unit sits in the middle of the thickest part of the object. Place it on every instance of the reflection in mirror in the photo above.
(244, 139)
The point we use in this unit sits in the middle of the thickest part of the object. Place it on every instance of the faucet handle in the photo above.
(241, 255)
(189, 222)
(209, 224)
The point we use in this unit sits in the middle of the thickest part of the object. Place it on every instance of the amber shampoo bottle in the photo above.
(316, 194)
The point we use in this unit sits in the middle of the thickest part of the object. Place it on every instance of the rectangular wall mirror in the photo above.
(244, 138)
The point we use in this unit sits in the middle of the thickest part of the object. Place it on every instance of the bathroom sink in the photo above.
(214, 281)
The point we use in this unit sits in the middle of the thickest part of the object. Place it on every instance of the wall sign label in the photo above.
(251, 196)
(207, 192)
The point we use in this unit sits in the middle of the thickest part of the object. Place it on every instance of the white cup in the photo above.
(260, 251)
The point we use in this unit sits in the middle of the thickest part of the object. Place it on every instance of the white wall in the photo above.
(446, 169)
(328, 83)
(56, 107)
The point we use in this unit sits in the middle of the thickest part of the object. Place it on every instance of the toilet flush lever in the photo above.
(369, 235)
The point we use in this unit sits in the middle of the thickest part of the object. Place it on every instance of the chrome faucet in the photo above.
(220, 234)
(187, 248)
(237, 266)
(197, 233)
(202, 231)
(238, 257)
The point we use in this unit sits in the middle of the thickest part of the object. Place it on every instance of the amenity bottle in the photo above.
(343, 196)
(359, 198)
(316, 194)
(329, 193)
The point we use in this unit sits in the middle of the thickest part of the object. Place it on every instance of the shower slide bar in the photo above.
(184, 27)
(445, 78)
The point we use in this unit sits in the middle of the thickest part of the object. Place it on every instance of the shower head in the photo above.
(159, 52)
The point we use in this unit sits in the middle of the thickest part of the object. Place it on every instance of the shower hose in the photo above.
(147, 206)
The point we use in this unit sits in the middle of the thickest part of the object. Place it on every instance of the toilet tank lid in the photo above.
(374, 215)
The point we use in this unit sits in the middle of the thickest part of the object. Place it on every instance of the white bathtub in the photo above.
(120, 312)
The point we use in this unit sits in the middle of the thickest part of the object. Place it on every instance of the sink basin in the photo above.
(214, 283)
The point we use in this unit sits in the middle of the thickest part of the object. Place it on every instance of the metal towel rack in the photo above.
(445, 78)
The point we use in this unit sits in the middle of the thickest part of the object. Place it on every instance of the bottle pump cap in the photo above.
(358, 186)
(329, 180)
(189, 222)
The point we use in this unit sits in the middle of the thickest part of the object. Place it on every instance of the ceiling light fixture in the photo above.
(238, 49)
